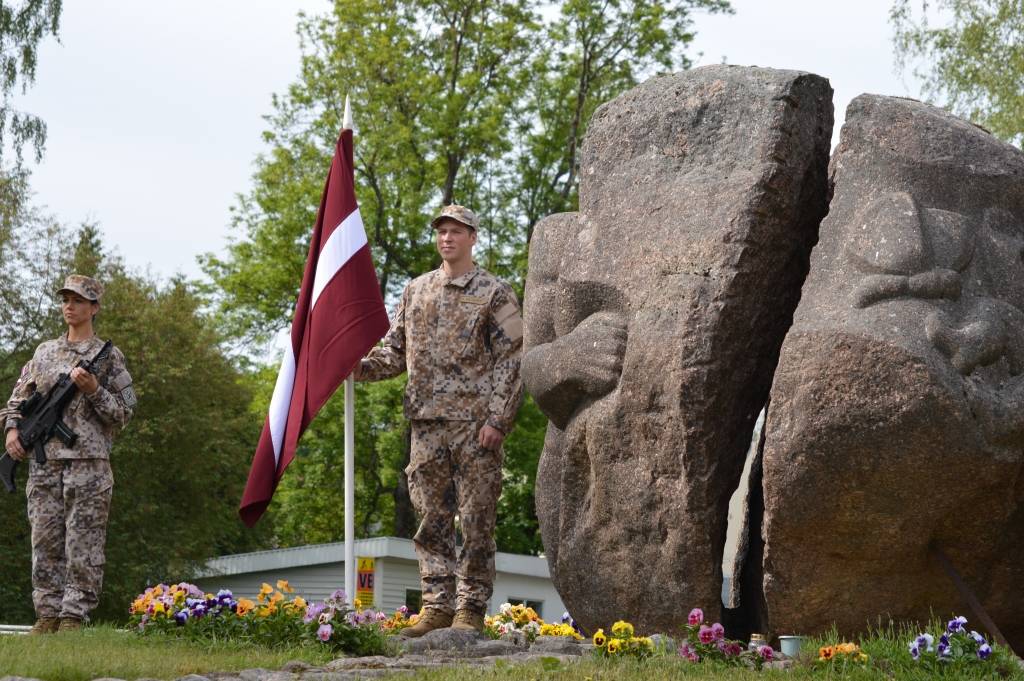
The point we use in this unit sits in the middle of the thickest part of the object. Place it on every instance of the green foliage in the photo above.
(972, 62)
(180, 465)
(518, 530)
(432, 83)
(113, 653)
(22, 26)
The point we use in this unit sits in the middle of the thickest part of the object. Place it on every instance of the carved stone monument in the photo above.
(654, 317)
(896, 422)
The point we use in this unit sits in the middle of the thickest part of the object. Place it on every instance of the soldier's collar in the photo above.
(463, 279)
(82, 346)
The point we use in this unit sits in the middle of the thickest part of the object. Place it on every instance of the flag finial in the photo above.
(347, 118)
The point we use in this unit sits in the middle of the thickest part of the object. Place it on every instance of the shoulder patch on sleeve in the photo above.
(510, 320)
(121, 381)
(128, 395)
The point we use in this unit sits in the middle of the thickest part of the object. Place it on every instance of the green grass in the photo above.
(105, 651)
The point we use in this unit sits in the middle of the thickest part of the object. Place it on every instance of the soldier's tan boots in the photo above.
(430, 619)
(45, 625)
(467, 620)
(69, 624)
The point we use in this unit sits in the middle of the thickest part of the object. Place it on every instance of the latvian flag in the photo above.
(340, 315)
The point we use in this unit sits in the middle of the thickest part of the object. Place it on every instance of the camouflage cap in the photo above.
(459, 214)
(87, 287)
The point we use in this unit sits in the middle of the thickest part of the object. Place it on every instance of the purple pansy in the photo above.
(984, 650)
(696, 617)
(718, 631)
(313, 611)
(956, 625)
(705, 634)
(324, 632)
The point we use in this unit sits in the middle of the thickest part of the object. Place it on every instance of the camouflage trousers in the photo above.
(449, 472)
(68, 505)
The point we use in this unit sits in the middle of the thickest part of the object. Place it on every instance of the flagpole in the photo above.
(350, 447)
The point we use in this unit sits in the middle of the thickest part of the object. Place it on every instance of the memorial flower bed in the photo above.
(273, 619)
(277, 618)
(707, 642)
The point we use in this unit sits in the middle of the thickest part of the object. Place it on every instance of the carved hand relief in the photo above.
(653, 318)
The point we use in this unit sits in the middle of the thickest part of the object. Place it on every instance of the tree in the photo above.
(432, 84)
(22, 27)
(477, 102)
(973, 63)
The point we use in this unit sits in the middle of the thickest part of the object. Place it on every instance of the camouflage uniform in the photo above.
(69, 494)
(460, 340)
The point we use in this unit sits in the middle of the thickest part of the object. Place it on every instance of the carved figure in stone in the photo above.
(896, 421)
(653, 321)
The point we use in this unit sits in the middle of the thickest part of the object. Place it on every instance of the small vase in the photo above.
(790, 645)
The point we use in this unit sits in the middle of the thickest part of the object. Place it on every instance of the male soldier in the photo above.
(458, 331)
(69, 494)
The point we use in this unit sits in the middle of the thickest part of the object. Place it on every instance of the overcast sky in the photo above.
(155, 109)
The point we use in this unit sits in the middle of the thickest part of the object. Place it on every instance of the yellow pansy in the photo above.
(622, 628)
(600, 639)
(284, 586)
(614, 646)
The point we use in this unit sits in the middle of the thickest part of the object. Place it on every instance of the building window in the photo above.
(536, 605)
(413, 600)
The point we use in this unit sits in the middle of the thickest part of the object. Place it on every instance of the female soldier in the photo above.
(69, 494)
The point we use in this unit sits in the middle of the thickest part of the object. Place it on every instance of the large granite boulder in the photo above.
(654, 317)
(896, 423)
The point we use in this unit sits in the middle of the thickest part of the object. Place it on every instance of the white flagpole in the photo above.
(350, 464)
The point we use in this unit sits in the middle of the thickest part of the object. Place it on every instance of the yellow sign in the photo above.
(364, 582)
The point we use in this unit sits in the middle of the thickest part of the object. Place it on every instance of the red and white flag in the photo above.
(340, 315)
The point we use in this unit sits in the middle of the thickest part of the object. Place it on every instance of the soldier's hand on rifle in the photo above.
(14, 447)
(491, 437)
(85, 381)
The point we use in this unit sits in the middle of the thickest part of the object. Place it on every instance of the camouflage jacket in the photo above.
(96, 418)
(460, 340)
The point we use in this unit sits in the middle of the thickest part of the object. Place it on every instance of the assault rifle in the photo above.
(42, 417)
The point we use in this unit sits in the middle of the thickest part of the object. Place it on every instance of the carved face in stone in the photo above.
(935, 246)
(904, 367)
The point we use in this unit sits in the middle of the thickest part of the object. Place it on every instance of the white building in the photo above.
(316, 570)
